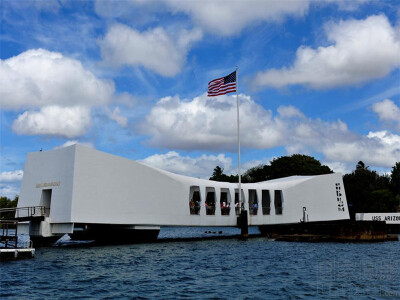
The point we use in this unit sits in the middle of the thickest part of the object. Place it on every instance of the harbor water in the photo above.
(257, 268)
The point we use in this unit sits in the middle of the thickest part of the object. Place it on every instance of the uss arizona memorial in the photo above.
(91, 194)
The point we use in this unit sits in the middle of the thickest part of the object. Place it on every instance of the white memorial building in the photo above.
(95, 194)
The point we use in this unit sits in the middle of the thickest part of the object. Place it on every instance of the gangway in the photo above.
(21, 214)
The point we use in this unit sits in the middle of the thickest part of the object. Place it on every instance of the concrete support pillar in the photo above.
(217, 202)
(243, 224)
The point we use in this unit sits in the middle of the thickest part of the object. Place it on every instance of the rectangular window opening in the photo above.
(253, 202)
(278, 202)
(194, 200)
(210, 201)
(266, 202)
(225, 202)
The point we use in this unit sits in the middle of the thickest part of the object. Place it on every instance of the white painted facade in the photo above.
(389, 218)
(92, 187)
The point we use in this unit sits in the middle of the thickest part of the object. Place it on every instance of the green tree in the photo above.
(367, 191)
(8, 203)
(284, 166)
(218, 172)
(256, 174)
(297, 164)
(218, 175)
(361, 166)
(382, 201)
(395, 179)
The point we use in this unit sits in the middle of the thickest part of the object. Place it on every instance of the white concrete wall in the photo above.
(319, 197)
(114, 190)
(49, 170)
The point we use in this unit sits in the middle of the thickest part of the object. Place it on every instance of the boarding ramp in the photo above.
(29, 213)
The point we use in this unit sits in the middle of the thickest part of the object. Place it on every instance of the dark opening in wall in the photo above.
(210, 201)
(266, 202)
(194, 200)
(253, 202)
(278, 202)
(225, 202)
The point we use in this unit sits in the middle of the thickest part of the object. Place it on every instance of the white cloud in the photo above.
(380, 148)
(361, 50)
(215, 16)
(11, 176)
(227, 18)
(60, 87)
(155, 49)
(289, 112)
(9, 190)
(219, 17)
(201, 166)
(339, 167)
(36, 78)
(211, 125)
(387, 110)
(117, 117)
(9, 183)
(54, 120)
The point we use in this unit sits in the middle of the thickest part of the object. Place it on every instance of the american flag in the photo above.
(223, 85)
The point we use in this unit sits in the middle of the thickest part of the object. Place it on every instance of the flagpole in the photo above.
(238, 138)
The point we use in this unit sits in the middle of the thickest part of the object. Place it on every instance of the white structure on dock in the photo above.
(390, 218)
(83, 189)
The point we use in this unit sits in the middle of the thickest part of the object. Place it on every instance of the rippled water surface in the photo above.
(225, 269)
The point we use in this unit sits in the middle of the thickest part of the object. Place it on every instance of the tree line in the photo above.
(366, 190)
(8, 203)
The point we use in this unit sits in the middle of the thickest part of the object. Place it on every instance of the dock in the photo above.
(336, 231)
(17, 253)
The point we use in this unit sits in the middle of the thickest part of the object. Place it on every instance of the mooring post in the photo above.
(243, 224)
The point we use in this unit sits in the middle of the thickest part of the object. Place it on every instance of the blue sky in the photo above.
(130, 78)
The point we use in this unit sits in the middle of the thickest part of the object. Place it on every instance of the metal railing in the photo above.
(23, 212)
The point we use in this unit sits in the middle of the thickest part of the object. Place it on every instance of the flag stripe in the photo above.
(218, 79)
(223, 85)
(223, 89)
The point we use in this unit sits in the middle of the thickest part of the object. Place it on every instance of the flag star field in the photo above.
(131, 78)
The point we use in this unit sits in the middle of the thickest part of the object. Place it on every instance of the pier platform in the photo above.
(330, 231)
(16, 253)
